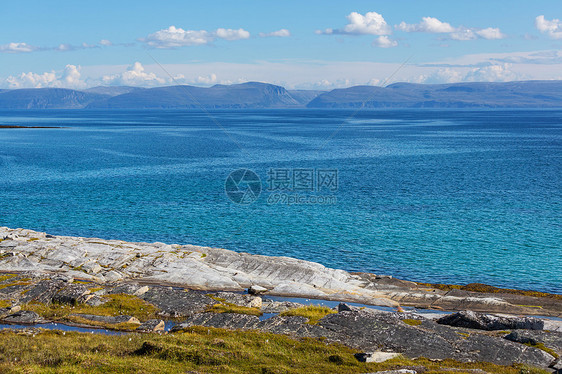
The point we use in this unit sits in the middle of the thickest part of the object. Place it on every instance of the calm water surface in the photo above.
(440, 196)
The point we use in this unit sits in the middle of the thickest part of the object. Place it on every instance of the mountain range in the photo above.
(254, 95)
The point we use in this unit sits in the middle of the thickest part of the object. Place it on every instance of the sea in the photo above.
(440, 196)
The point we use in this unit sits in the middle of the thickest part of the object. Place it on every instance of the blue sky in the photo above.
(299, 44)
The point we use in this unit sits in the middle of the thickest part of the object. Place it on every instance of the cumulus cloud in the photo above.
(105, 43)
(17, 48)
(384, 41)
(492, 73)
(433, 25)
(372, 23)
(553, 27)
(135, 75)
(70, 77)
(174, 37)
(283, 33)
(490, 33)
(427, 24)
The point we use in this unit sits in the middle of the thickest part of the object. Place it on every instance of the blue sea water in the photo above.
(425, 195)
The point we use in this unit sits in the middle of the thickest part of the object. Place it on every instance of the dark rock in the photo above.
(489, 322)
(551, 340)
(257, 290)
(44, 291)
(290, 325)
(175, 302)
(152, 325)
(249, 301)
(220, 320)
(72, 294)
(269, 306)
(107, 319)
(25, 317)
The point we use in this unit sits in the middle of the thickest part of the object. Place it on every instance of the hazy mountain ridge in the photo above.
(254, 95)
(524, 94)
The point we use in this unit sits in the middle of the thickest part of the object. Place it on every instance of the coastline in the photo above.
(212, 269)
(172, 292)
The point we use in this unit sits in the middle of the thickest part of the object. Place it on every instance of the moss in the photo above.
(124, 326)
(5, 303)
(412, 322)
(203, 255)
(314, 313)
(4, 278)
(484, 288)
(32, 239)
(463, 334)
(231, 308)
(78, 281)
(117, 304)
(96, 289)
(542, 347)
(201, 349)
(216, 298)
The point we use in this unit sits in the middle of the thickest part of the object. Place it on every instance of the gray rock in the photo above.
(220, 320)
(249, 301)
(269, 306)
(24, 317)
(107, 319)
(256, 290)
(176, 302)
(552, 340)
(71, 294)
(481, 321)
(153, 325)
(398, 371)
(376, 356)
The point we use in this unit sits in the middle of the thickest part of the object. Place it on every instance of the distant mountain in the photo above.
(47, 98)
(305, 96)
(253, 95)
(113, 90)
(246, 95)
(526, 94)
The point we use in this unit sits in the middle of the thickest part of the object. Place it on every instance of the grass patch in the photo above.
(412, 322)
(231, 308)
(542, 347)
(314, 313)
(5, 303)
(4, 278)
(117, 304)
(198, 349)
(484, 288)
(124, 326)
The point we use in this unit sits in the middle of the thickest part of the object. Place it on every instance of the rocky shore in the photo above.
(140, 286)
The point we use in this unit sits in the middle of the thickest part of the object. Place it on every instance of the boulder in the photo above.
(24, 317)
(376, 356)
(256, 290)
(71, 294)
(153, 325)
(489, 322)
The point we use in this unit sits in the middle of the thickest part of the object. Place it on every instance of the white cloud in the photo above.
(433, 25)
(553, 28)
(70, 77)
(105, 43)
(174, 37)
(490, 33)
(372, 23)
(283, 33)
(427, 24)
(17, 48)
(463, 33)
(230, 34)
(492, 73)
(384, 41)
(135, 75)
(209, 79)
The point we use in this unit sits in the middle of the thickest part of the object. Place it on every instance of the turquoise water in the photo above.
(440, 196)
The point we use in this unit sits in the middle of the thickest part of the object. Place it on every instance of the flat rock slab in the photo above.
(481, 321)
(23, 317)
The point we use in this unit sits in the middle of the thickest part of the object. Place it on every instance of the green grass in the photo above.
(314, 313)
(117, 304)
(231, 308)
(412, 322)
(199, 349)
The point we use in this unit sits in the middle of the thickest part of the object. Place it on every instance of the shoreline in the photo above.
(213, 269)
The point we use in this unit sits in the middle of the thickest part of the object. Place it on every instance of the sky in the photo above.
(297, 44)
